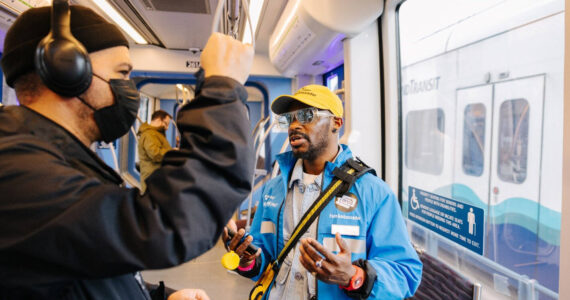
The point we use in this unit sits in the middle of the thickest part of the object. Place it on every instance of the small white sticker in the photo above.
(352, 230)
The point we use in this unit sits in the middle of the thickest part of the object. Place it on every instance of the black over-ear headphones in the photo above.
(61, 61)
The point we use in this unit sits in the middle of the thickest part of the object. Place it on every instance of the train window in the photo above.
(481, 103)
(332, 82)
(144, 107)
(424, 140)
(474, 139)
(513, 140)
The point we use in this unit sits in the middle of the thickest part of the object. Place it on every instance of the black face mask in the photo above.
(115, 120)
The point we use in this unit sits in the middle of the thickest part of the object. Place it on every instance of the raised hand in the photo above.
(224, 56)
(326, 266)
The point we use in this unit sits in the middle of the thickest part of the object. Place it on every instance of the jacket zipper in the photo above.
(317, 233)
(277, 250)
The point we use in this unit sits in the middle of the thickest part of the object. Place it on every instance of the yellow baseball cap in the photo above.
(313, 95)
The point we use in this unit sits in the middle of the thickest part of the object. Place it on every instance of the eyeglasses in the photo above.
(304, 116)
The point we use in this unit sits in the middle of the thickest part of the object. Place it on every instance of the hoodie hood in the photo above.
(146, 127)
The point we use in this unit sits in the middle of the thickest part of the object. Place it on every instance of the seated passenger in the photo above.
(152, 144)
(372, 258)
(69, 229)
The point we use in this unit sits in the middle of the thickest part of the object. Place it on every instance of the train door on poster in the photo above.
(516, 168)
(474, 115)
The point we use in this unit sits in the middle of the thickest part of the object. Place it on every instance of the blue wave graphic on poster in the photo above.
(521, 234)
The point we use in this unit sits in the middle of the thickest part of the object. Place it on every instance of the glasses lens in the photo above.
(305, 115)
(283, 120)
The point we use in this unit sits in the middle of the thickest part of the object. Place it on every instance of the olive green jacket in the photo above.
(152, 147)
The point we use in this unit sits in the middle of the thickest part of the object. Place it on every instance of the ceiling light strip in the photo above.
(255, 7)
(119, 20)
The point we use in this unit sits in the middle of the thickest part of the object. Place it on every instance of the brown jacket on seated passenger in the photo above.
(152, 144)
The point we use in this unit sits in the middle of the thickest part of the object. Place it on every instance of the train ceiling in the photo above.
(172, 24)
(185, 24)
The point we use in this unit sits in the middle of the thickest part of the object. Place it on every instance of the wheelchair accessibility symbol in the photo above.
(414, 200)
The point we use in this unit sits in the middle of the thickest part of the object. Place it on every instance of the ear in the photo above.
(337, 124)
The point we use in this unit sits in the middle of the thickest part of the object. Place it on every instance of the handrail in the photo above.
(257, 152)
(218, 14)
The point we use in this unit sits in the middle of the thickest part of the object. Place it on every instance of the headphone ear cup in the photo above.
(63, 65)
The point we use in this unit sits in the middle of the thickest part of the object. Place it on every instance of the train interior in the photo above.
(457, 104)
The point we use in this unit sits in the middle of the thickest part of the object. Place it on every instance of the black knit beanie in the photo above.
(93, 31)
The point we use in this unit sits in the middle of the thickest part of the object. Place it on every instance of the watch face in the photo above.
(357, 283)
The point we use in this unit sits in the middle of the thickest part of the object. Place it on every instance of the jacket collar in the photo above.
(298, 171)
(147, 127)
(16, 120)
(287, 162)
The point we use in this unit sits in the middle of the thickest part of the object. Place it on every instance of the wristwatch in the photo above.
(356, 281)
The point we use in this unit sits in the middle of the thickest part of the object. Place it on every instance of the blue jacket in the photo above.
(382, 238)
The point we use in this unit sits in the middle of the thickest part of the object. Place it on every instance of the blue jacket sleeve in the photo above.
(390, 252)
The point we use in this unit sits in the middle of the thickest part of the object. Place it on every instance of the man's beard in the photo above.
(315, 149)
(88, 126)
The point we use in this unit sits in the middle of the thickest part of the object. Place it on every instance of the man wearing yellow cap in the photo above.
(358, 247)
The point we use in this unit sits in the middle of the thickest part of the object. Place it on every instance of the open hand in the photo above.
(334, 269)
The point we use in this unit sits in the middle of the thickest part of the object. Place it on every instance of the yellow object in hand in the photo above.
(230, 260)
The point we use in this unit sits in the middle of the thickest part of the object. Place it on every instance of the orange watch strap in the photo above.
(356, 280)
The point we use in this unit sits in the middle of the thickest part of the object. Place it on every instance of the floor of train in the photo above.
(205, 272)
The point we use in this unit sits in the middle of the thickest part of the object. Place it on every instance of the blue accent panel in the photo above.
(276, 86)
(254, 113)
(339, 71)
(256, 116)
(106, 154)
(131, 159)
(165, 81)
(169, 106)
(277, 140)
(163, 78)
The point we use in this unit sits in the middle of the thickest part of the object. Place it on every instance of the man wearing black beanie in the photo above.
(68, 227)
